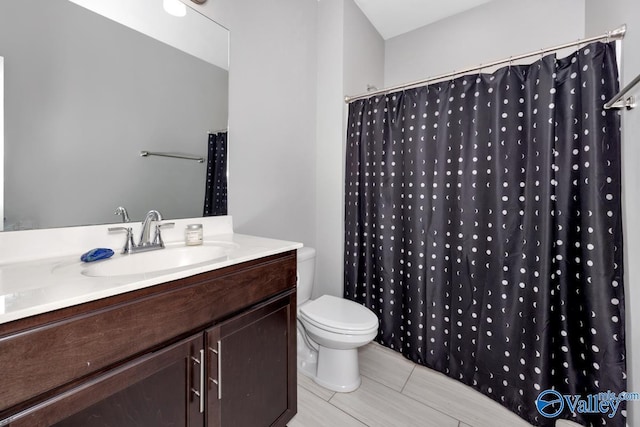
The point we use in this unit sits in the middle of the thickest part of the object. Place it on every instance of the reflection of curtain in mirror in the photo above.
(215, 198)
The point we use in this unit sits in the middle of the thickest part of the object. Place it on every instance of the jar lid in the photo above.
(194, 226)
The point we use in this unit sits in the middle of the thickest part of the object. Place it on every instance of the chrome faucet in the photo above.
(145, 235)
(145, 243)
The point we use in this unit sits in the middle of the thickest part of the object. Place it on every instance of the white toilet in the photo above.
(330, 330)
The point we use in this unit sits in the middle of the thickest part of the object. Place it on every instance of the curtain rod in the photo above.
(617, 34)
(618, 102)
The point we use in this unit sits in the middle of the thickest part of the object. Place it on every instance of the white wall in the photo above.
(350, 56)
(291, 63)
(490, 32)
(328, 148)
(272, 115)
(601, 17)
(364, 53)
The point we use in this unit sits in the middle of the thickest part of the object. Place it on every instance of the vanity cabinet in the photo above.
(248, 370)
(214, 349)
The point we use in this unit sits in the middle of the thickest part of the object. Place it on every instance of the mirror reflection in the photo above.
(84, 95)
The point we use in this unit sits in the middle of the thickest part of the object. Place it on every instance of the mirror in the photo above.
(84, 95)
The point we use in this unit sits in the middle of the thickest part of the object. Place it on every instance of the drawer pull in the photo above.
(218, 382)
(200, 392)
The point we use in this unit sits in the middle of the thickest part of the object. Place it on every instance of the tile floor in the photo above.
(396, 392)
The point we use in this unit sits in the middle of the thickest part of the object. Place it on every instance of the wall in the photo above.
(291, 63)
(492, 31)
(272, 115)
(328, 148)
(79, 110)
(601, 17)
(364, 53)
(350, 56)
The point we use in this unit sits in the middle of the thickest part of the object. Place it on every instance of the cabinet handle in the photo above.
(218, 382)
(200, 393)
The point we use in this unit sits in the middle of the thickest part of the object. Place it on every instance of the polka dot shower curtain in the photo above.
(215, 199)
(483, 227)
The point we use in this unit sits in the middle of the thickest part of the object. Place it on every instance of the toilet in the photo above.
(330, 330)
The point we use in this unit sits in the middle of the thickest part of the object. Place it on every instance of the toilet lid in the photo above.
(339, 314)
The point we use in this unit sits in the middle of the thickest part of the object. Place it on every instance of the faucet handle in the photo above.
(128, 244)
(157, 240)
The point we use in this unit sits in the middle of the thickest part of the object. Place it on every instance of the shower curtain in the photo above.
(483, 227)
(215, 198)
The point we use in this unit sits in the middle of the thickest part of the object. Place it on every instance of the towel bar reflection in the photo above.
(172, 155)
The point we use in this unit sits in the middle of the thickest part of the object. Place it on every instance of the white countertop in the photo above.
(31, 285)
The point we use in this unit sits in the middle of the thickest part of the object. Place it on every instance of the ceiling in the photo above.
(394, 17)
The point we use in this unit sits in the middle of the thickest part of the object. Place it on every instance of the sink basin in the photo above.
(160, 260)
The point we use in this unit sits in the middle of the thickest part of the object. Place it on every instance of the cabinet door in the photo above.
(251, 367)
(158, 389)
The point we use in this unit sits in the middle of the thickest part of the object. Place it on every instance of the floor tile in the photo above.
(313, 387)
(458, 400)
(313, 411)
(379, 406)
(384, 365)
(566, 423)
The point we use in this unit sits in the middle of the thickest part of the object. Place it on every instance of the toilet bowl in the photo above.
(330, 330)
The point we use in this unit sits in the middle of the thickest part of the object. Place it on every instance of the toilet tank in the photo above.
(306, 273)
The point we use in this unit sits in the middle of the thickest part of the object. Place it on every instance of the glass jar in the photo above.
(193, 235)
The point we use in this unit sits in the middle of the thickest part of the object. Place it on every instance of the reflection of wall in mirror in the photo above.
(71, 162)
(192, 33)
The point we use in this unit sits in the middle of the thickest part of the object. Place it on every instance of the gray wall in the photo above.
(291, 63)
(83, 97)
(364, 52)
(601, 17)
(328, 189)
(492, 31)
(272, 92)
(350, 55)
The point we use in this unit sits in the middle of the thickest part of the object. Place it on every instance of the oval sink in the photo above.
(156, 261)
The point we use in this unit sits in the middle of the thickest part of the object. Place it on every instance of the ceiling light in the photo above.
(174, 7)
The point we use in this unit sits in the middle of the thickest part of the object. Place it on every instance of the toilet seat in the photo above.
(339, 316)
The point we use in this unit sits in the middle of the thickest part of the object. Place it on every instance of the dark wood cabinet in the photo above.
(252, 368)
(219, 350)
(153, 390)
